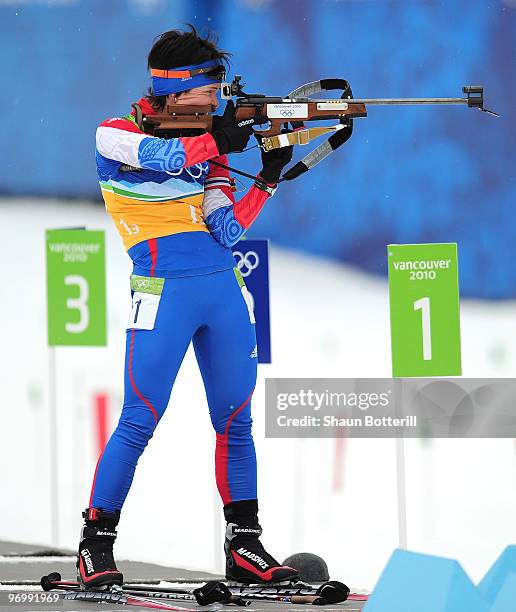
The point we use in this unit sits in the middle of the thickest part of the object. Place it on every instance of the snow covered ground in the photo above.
(333, 498)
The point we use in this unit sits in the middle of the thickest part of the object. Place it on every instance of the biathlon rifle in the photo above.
(295, 109)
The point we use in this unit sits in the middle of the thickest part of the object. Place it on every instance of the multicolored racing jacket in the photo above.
(175, 210)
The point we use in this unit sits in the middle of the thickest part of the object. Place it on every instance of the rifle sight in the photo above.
(235, 88)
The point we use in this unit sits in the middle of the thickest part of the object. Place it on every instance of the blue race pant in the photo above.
(211, 311)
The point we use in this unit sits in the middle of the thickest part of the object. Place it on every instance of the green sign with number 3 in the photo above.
(76, 288)
(424, 304)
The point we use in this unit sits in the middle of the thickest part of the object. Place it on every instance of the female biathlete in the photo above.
(178, 218)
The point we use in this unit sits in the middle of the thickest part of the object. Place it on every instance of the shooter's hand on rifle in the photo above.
(228, 135)
(274, 161)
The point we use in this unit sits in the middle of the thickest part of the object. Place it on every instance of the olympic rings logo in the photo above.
(287, 112)
(246, 263)
(142, 284)
(195, 171)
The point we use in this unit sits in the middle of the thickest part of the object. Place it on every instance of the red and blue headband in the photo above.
(180, 79)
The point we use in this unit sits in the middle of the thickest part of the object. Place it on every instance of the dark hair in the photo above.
(180, 48)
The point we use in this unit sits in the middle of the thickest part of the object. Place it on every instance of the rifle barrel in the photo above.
(402, 100)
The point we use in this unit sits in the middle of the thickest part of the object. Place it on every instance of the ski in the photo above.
(257, 591)
(295, 589)
(274, 588)
(210, 593)
(330, 592)
(120, 598)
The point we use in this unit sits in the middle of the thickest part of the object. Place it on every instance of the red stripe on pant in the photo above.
(140, 396)
(221, 457)
(153, 249)
(94, 479)
(133, 384)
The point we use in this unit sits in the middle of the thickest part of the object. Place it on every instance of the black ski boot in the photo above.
(95, 564)
(247, 560)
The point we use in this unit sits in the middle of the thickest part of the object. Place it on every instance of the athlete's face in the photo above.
(198, 96)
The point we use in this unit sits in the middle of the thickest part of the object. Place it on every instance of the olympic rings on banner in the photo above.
(246, 263)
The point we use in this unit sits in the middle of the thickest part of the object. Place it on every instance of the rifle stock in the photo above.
(176, 118)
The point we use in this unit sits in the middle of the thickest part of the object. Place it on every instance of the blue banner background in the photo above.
(408, 175)
(256, 252)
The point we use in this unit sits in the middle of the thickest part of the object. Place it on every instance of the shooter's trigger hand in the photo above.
(222, 121)
(229, 135)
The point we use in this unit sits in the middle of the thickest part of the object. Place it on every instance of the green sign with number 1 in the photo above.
(424, 303)
(76, 288)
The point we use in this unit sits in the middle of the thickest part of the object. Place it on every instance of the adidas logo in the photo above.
(254, 352)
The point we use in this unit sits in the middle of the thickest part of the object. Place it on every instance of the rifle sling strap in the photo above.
(337, 139)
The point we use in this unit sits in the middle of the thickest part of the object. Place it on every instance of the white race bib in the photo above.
(146, 297)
